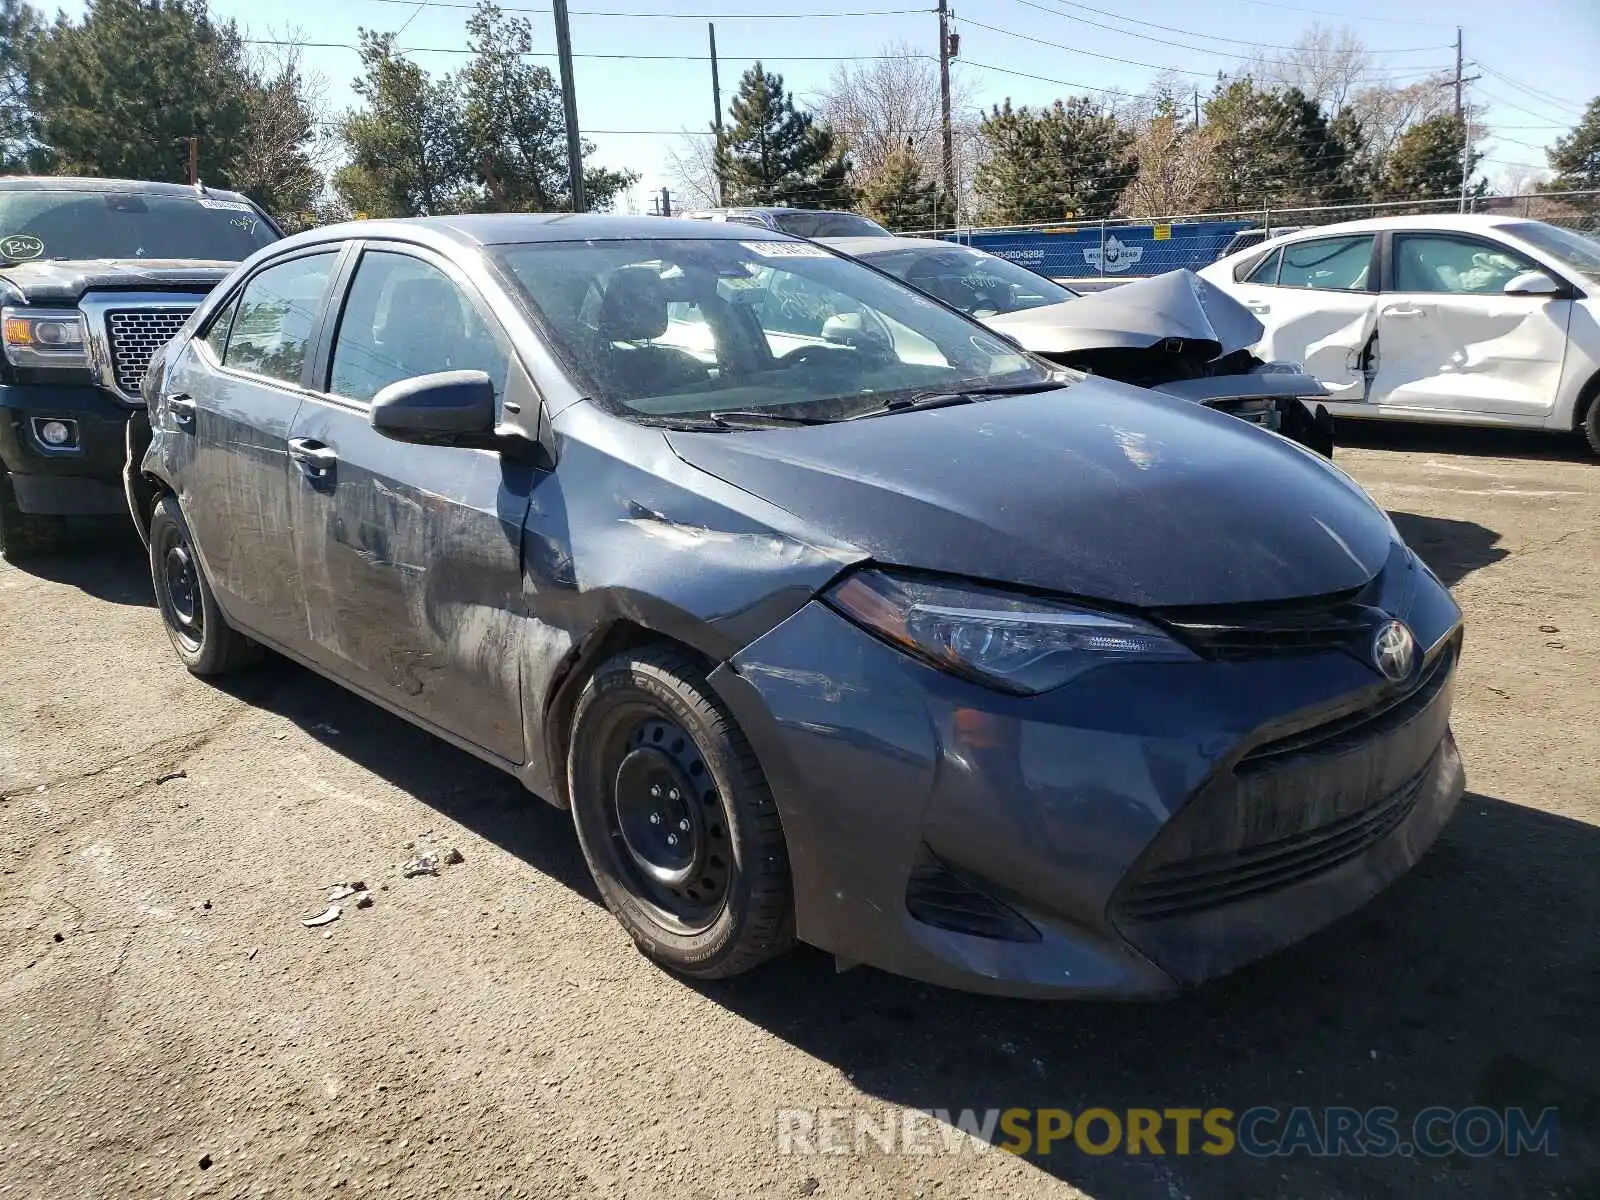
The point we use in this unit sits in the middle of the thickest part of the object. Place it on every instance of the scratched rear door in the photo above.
(411, 555)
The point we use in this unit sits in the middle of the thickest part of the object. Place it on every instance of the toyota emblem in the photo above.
(1394, 651)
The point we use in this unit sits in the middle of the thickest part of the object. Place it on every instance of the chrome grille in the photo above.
(135, 334)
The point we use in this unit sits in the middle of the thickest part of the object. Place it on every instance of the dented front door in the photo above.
(411, 555)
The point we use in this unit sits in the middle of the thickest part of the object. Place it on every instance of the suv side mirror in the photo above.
(449, 408)
(1533, 283)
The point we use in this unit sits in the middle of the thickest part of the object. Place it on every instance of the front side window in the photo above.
(216, 337)
(682, 328)
(1442, 262)
(980, 284)
(1266, 270)
(403, 318)
(1338, 264)
(69, 224)
(277, 312)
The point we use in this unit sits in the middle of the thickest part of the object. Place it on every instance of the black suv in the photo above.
(95, 276)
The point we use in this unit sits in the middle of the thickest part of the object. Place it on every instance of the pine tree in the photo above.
(1070, 160)
(120, 93)
(19, 29)
(775, 154)
(1426, 162)
(1275, 148)
(899, 197)
(1575, 158)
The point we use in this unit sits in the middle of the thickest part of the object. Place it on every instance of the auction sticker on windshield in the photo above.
(21, 246)
(786, 250)
(225, 205)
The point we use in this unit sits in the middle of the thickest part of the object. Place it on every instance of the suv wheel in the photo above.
(204, 640)
(25, 535)
(675, 818)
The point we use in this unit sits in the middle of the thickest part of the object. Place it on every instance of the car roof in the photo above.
(1465, 222)
(862, 245)
(501, 229)
(96, 185)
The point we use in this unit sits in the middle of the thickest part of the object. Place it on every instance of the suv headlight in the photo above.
(44, 337)
(1016, 643)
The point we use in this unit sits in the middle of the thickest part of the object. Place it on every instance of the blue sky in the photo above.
(1538, 58)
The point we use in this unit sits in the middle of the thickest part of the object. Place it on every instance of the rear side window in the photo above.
(276, 314)
(1338, 264)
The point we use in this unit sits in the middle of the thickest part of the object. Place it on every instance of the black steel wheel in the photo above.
(675, 818)
(200, 634)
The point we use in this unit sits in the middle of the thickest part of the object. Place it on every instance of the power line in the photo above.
(1499, 99)
(1129, 61)
(1083, 87)
(674, 16)
(1188, 33)
(1322, 12)
(609, 57)
(1543, 97)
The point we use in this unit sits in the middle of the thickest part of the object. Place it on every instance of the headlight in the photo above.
(38, 337)
(1013, 642)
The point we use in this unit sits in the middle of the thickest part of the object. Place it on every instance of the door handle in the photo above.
(1259, 307)
(316, 459)
(1404, 310)
(182, 407)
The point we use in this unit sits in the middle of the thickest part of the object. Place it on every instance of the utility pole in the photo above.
(1197, 108)
(716, 103)
(947, 150)
(569, 103)
(194, 160)
(666, 202)
(1458, 72)
(1466, 162)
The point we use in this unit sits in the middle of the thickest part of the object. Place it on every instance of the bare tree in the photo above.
(287, 151)
(1174, 167)
(1328, 64)
(879, 106)
(692, 168)
(1387, 112)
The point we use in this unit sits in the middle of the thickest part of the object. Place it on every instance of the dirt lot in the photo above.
(168, 1027)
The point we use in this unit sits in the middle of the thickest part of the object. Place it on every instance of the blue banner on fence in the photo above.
(1071, 251)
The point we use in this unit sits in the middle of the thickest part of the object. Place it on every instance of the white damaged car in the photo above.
(1174, 333)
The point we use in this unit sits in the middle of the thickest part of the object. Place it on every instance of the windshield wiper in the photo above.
(919, 401)
(755, 418)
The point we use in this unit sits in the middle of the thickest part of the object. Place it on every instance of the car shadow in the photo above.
(1418, 437)
(109, 564)
(1473, 981)
(452, 782)
(1453, 549)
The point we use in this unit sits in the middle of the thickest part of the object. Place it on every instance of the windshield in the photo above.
(982, 285)
(680, 329)
(1572, 250)
(83, 225)
(827, 224)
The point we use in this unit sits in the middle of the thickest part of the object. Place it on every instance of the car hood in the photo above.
(1097, 490)
(65, 282)
(1135, 316)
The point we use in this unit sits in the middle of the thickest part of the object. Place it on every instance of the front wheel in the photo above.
(204, 640)
(1591, 425)
(676, 820)
(26, 535)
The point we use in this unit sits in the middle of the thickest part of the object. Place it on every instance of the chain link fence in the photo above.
(1131, 247)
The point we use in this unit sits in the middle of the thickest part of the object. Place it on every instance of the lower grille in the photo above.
(134, 336)
(937, 896)
(1197, 884)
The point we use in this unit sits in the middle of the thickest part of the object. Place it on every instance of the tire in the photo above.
(720, 901)
(26, 535)
(1591, 424)
(200, 634)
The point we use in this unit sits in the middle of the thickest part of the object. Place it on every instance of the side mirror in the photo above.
(1533, 283)
(450, 408)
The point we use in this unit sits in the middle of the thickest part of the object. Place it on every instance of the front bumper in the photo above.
(84, 479)
(1155, 824)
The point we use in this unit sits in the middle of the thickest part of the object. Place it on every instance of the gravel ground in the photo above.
(169, 1028)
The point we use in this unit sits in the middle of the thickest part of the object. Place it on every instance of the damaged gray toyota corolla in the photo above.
(922, 651)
